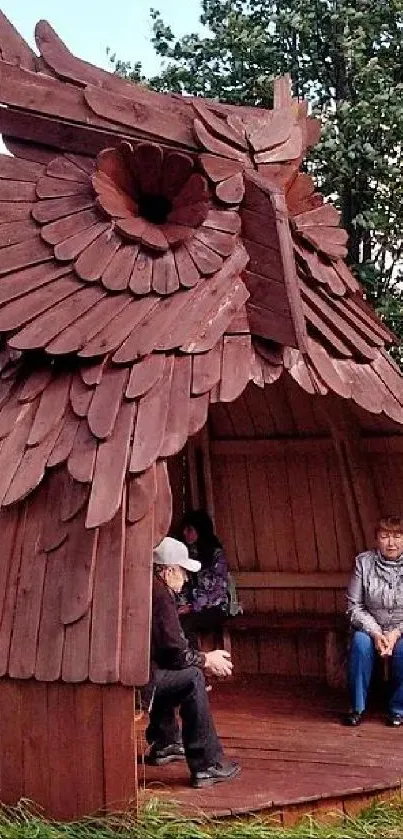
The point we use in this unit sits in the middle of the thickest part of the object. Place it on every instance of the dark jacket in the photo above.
(169, 648)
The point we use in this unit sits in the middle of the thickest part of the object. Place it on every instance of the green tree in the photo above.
(345, 57)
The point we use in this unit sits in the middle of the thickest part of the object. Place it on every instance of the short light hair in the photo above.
(391, 523)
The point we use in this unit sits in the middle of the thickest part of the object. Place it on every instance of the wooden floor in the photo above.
(296, 756)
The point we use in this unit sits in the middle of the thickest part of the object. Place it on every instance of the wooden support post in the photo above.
(200, 477)
(193, 480)
(207, 475)
(136, 716)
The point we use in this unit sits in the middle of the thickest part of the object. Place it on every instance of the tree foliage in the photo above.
(345, 57)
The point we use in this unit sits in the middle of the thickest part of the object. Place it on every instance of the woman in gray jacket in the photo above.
(375, 608)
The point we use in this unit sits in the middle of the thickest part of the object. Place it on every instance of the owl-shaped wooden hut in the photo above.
(170, 282)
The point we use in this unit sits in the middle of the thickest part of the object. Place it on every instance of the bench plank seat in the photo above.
(333, 627)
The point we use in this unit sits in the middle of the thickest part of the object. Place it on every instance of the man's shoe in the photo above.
(215, 774)
(354, 718)
(394, 720)
(168, 754)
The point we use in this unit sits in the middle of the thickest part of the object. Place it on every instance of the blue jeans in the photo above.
(361, 662)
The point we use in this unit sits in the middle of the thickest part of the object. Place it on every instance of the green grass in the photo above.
(157, 821)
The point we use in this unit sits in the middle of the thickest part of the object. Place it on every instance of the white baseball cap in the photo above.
(172, 552)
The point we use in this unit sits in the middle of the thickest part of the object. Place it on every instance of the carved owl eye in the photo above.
(140, 218)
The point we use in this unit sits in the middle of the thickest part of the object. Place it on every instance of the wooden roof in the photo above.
(120, 327)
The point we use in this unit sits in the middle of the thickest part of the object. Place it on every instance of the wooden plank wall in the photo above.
(283, 513)
(68, 748)
(287, 513)
(66, 610)
(386, 467)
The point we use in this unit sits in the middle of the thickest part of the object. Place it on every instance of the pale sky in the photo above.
(88, 27)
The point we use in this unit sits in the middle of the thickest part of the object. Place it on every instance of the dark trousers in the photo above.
(184, 689)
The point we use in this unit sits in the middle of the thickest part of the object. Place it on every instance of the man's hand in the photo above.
(218, 663)
(382, 644)
(391, 638)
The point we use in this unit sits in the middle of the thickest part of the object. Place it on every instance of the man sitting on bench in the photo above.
(177, 679)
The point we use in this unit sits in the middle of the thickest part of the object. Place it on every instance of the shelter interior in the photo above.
(292, 505)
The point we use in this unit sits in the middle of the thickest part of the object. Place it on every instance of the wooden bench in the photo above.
(333, 628)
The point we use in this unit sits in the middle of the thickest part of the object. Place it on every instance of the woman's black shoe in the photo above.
(353, 719)
(395, 720)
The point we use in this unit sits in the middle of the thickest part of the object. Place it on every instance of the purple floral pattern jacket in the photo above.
(209, 587)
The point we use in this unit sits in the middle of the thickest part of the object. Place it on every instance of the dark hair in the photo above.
(207, 541)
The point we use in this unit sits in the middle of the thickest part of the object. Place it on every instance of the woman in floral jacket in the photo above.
(204, 603)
